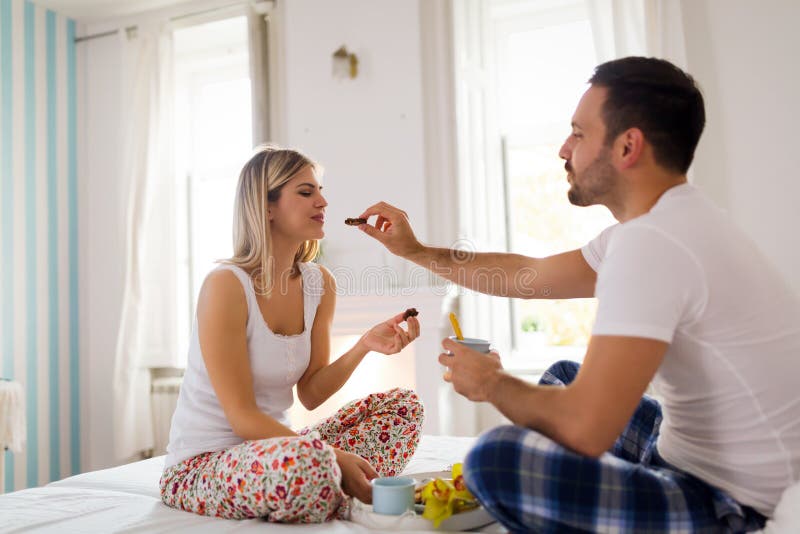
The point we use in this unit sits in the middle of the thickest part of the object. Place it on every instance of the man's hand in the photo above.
(472, 373)
(392, 229)
(356, 475)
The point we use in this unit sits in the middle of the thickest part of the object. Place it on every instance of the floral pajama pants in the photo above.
(296, 479)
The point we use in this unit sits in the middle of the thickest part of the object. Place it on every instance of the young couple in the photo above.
(686, 301)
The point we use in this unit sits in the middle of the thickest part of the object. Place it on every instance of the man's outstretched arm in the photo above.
(561, 276)
(587, 415)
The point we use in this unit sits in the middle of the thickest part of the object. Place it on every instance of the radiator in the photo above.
(163, 398)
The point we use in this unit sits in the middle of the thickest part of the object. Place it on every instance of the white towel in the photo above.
(12, 416)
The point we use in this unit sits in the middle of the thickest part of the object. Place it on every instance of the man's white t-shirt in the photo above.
(730, 381)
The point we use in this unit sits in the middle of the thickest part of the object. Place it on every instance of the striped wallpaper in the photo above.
(38, 237)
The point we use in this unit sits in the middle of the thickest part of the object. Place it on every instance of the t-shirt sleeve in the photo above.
(595, 250)
(647, 285)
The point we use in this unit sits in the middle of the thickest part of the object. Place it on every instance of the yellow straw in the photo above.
(456, 327)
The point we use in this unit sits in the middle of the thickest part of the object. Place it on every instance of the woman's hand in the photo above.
(389, 337)
(356, 475)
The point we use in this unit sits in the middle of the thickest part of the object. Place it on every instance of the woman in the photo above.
(263, 326)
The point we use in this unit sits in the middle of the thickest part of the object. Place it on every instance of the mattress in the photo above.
(126, 499)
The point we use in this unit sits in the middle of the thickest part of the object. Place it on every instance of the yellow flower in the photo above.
(443, 498)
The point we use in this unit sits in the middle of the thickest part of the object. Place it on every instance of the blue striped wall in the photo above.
(38, 238)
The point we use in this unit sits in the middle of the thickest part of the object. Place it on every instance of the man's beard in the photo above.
(594, 183)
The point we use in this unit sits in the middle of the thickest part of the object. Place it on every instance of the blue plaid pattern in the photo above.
(530, 483)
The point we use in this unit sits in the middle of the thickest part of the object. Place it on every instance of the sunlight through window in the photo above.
(213, 127)
(544, 55)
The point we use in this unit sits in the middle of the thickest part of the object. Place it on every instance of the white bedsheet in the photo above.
(126, 499)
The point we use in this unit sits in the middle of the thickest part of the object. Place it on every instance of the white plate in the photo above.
(363, 514)
(427, 476)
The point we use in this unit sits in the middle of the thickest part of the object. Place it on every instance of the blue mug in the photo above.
(392, 495)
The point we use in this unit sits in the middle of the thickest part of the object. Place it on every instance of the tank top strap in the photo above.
(247, 283)
(313, 288)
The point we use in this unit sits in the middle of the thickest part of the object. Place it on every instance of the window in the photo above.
(544, 54)
(213, 133)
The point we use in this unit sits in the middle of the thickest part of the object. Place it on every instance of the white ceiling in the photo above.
(94, 10)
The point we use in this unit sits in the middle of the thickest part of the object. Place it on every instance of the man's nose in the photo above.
(565, 152)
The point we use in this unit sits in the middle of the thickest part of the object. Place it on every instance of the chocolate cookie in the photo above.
(411, 312)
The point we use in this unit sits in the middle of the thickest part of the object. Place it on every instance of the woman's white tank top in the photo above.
(276, 361)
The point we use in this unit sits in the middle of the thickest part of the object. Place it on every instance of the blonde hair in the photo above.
(260, 182)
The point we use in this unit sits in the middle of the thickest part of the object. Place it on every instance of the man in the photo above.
(685, 299)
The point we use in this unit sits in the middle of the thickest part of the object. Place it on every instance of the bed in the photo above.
(126, 499)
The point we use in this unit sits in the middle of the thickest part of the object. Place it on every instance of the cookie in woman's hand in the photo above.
(411, 312)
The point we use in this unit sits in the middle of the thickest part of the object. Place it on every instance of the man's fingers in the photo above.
(451, 345)
(446, 359)
(448, 376)
(375, 209)
(381, 208)
(372, 231)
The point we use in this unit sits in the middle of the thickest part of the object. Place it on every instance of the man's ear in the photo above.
(630, 145)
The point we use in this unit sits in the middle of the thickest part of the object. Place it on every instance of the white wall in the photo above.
(744, 55)
(367, 132)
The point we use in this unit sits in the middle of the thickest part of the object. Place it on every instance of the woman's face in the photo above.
(299, 213)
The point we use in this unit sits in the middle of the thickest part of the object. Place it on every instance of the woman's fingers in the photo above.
(404, 336)
(397, 344)
(368, 470)
(413, 327)
(361, 489)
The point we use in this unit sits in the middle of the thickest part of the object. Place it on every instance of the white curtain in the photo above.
(146, 336)
(651, 28)
(638, 28)
(480, 200)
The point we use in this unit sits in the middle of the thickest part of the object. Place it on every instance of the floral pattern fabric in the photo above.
(296, 479)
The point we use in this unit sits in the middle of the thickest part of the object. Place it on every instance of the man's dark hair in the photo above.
(658, 98)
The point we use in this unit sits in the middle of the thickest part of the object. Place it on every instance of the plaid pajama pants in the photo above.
(530, 483)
